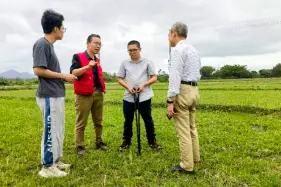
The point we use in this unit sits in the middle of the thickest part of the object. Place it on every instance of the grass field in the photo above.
(239, 131)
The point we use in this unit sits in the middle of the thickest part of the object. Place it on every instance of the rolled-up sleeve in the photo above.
(122, 72)
(151, 68)
(175, 71)
(75, 63)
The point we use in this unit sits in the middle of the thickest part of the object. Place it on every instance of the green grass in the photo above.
(217, 84)
(268, 99)
(273, 83)
(237, 149)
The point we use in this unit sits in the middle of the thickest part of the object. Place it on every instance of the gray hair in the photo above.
(180, 28)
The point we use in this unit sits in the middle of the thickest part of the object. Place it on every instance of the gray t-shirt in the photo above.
(136, 74)
(45, 56)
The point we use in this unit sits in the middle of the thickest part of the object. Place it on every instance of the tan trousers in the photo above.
(185, 106)
(83, 106)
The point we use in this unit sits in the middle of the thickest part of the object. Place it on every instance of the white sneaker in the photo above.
(62, 165)
(52, 171)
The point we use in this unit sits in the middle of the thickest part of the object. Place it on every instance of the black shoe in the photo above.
(181, 170)
(155, 146)
(125, 145)
(80, 151)
(101, 145)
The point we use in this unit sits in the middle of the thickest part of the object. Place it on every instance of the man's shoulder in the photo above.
(186, 48)
(76, 55)
(41, 42)
(146, 60)
(190, 47)
(125, 62)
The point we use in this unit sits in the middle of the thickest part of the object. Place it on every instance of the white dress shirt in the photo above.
(184, 65)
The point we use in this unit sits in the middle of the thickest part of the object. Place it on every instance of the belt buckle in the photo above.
(193, 83)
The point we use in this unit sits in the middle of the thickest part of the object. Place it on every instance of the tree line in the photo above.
(207, 72)
(230, 72)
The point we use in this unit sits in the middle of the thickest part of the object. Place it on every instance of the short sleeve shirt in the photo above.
(45, 56)
(136, 74)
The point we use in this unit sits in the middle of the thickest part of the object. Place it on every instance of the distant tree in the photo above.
(207, 71)
(162, 76)
(107, 77)
(4, 82)
(254, 74)
(265, 73)
(276, 71)
(235, 72)
(217, 74)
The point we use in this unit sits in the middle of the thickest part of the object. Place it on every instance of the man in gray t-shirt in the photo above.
(44, 56)
(50, 94)
(136, 75)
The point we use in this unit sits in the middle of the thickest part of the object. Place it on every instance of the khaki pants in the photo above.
(83, 106)
(185, 106)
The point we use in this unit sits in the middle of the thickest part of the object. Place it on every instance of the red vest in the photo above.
(85, 84)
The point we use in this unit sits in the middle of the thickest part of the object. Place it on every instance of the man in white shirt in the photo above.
(183, 96)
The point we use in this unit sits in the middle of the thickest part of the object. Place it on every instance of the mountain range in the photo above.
(13, 74)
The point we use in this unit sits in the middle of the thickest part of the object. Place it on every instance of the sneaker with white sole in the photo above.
(51, 171)
(62, 165)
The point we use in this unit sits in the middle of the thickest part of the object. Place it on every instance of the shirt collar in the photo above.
(141, 59)
(181, 42)
(88, 56)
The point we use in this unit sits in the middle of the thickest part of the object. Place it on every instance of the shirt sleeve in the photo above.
(151, 68)
(122, 72)
(75, 63)
(40, 54)
(175, 69)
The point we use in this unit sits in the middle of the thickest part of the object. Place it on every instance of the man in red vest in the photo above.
(89, 92)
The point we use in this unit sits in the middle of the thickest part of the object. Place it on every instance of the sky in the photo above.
(223, 31)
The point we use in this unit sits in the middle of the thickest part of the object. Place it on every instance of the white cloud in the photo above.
(118, 22)
(254, 62)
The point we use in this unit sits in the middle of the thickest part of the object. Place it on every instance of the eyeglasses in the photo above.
(97, 44)
(60, 29)
(132, 50)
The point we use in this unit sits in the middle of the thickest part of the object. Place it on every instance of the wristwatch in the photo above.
(170, 102)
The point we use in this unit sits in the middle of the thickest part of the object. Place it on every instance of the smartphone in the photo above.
(170, 117)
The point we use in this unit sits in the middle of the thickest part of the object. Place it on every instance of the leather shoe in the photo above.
(181, 170)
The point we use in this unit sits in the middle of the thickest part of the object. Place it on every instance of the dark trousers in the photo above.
(145, 112)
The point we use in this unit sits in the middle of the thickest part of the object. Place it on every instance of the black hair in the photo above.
(90, 37)
(50, 20)
(134, 42)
